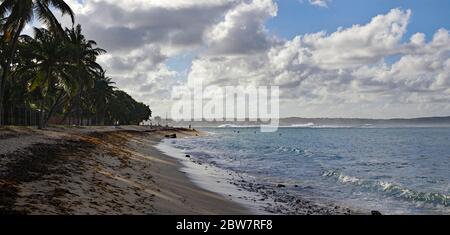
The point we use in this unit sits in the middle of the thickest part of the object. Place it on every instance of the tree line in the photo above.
(53, 76)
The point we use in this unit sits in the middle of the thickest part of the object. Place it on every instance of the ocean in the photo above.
(392, 170)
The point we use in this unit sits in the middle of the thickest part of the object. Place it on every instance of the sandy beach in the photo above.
(116, 171)
(95, 171)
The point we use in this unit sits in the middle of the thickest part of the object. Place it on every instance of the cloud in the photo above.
(319, 3)
(121, 26)
(342, 73)
(343, 70)
(285, 63)
(354, 46)
(242, 31)
(140, 36)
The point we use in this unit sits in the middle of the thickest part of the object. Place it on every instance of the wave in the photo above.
(238, 126)
(307, 125)
(287, 149)
(312, 125)
(391, 189)
(303, 125)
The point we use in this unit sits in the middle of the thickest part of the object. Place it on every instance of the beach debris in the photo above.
(281, 186)
(171, 136)
(188, 156)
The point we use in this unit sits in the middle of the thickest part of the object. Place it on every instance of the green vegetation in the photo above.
(53, 77)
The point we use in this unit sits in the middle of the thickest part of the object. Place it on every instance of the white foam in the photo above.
(348, 179)
(303, 125)
(214, 179)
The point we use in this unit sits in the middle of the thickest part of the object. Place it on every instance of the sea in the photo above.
(394, 170)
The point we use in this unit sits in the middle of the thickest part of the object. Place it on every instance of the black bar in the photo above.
(224, 224)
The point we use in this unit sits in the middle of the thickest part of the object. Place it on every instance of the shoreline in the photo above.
(130, 170)
(257, 197)
(94, 171)
(214, 179)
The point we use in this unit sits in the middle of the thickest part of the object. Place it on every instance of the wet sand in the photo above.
(94, 171)
(259, 196)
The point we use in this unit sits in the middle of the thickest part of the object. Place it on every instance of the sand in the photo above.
(98, 170)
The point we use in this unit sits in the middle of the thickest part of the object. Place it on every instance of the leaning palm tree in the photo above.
(52, 71)
(16, 14)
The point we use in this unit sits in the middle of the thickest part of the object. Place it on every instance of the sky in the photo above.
(330, 58)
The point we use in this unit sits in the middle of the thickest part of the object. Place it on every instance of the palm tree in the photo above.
(126, 110)
(16, 14)
(52, 71)
(4, 54)
(102, 94)
(83, 54)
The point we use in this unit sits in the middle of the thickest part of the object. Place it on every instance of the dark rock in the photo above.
(376, 213)
(171, 136)
(188, 156)
(281, 186)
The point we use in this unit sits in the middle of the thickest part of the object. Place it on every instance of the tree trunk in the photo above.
(7, 69)
(100, 117)
(52, 110)
(80, 108)
(11, 116)
(41, 115)
(2, 94)
(68, 113)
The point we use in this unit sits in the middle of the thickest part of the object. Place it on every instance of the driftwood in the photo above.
(171, 136)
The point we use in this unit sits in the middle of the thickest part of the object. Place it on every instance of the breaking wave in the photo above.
(391, 189)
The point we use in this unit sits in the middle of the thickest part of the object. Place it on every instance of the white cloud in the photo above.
(141, 35)
(242, 31)
(319, 3)
(342, 73)
(344, 70)
(355, 46)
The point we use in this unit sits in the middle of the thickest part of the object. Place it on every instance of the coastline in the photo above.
(258, 197)
(214, 179)
(94, 171)
(130, 170)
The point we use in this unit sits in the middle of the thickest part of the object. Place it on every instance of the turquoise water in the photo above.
(394, 170)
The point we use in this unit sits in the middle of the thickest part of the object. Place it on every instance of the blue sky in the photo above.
(298, 17)
(295, 18)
